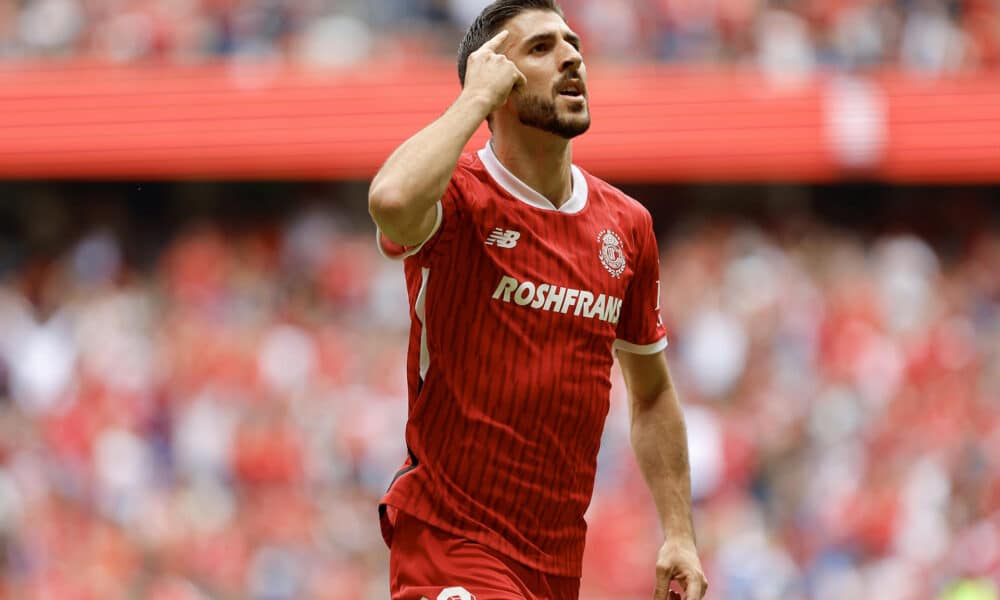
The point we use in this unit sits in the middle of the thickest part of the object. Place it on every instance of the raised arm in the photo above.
(659, 440)
(403, 194)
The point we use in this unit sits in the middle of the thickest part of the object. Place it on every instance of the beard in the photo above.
(538, 112)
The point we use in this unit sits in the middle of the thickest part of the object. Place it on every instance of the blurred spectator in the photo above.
(780, 36)
(222, 421)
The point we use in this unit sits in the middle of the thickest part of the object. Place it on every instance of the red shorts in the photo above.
(426, 562)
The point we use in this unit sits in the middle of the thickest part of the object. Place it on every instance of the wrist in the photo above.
(476, 103)
(678, 532)
(681, 541)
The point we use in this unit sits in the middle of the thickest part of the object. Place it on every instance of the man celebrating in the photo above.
(526, 276)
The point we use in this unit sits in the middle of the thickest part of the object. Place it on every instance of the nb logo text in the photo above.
(503, 238)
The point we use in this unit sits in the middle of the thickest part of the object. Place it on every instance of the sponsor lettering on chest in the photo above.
(556, 298)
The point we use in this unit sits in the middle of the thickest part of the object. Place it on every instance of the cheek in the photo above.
(538, 89)
(537, 77)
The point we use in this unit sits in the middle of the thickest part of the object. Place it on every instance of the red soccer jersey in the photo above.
(516, 308)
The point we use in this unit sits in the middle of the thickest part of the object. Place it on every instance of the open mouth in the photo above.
(571, 90)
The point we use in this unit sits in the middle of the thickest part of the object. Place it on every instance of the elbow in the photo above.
(392, 213)
(383, 204)
(387, 209)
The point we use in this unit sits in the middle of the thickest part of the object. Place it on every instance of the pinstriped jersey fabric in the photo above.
(516, 310)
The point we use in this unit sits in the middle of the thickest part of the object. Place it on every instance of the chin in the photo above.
(573, 129)
(579, 121)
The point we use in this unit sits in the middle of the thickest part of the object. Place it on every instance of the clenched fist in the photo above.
(491, 76)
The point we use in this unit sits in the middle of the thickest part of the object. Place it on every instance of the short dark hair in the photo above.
(491, 21)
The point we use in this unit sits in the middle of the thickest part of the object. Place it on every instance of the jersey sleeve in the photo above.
(447, 214)
(640, 329)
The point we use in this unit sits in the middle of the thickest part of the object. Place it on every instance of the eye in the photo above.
(539, 48)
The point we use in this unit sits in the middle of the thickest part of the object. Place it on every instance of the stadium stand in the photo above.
(203, 395)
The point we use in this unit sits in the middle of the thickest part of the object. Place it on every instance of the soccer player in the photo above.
(526, 275)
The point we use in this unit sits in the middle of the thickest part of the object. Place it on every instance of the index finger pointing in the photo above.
(495, 42)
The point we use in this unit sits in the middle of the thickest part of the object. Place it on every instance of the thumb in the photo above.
(519, 79)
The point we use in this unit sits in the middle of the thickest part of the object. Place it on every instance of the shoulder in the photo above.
(470, 170)
(629, 210)
(471, 183)
(469, 161)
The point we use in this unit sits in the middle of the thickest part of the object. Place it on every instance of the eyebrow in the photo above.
(548, 36)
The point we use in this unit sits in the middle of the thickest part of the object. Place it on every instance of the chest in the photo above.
(590, 251)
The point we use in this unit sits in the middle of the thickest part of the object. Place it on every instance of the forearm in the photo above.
(659, 440)
(416, 175)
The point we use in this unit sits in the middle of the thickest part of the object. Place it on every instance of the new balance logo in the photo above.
(502, 238)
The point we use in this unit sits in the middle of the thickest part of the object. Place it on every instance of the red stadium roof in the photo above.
(651, 123)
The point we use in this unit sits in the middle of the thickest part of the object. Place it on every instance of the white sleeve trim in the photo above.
(657, 346)
(415, 249)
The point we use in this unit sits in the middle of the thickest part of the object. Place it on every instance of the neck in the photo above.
(539, 159)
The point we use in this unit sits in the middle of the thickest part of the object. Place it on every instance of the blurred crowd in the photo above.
(218, 417)
(929, 36)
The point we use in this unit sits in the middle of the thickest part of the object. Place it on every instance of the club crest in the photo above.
(612, 256)
(454, 593)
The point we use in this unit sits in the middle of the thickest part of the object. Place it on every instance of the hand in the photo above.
(679, 562)
(490, 75)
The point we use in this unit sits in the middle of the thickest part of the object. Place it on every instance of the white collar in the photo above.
(523, 192)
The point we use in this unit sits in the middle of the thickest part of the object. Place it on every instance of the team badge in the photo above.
(455, 593)
(612, 256)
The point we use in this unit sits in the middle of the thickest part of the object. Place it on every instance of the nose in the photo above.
(572, 59)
